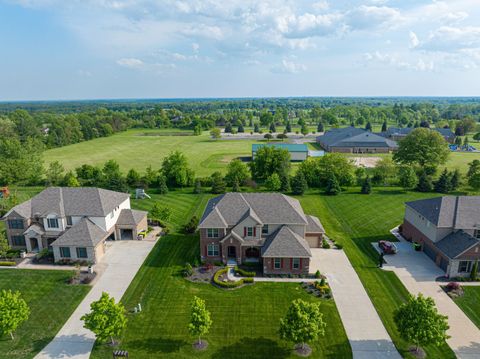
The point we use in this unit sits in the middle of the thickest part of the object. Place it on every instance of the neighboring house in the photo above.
(298, 152)
(73, 222)
(448, 228)
(397, 134)
(269, 228)
(355, 140)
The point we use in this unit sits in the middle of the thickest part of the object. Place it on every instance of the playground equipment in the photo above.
(4, 192)
(140, 194)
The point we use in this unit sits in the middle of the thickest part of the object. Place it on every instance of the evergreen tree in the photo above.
(465, 141)
(228, 127)
(443, 183)
(424, 183)
(304, 130)
(198, 186)
(367, 185)
(218, 184)
(272, 127)
(320, 127)
(384, 126)
(284, 183)
(368, 127)
(133, 178)
(162, 185)
(289, 127)
(332, 187)
(256, 128)
(235, 186)
(240, 128)
(299, 183)
(455, 180)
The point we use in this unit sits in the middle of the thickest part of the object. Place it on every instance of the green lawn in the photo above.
(132, 149)
(356, 220)
(51, 302)
(245, 321)
(470, 303)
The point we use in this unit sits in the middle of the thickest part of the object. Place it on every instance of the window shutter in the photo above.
(244, 231)
(281, 263)
(291, 263)
(300, 260)
(206, 251)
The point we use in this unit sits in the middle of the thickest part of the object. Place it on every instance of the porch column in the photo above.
(27, 243)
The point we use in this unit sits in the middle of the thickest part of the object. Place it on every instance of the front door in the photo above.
(34, 244)
(232, 252)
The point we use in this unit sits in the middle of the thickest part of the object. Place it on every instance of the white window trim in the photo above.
(468, 268)
(213, 233)
(214, 249)
(265, 226)
(250, 234)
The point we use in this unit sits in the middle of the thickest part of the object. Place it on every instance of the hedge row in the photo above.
(7, 264)
(244, 273)
(238, 283)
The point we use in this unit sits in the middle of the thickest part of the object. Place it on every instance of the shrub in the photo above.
(339, 245)
(7, 264)
(244, 273)
(322, 282)
(191, 226)
(453, 286)
(187, 270)
(247, 280)
(318, 274)
(325, 244)
(43, 253)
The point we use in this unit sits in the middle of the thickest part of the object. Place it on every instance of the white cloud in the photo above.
(367, 17)
(130, 62)
(414, 42)
(289, 66)
(321, 5)
(448, 38)
(395, 60)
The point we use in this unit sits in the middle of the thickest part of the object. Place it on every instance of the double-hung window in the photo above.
(212, 250)
(52, 222)
(296, 263)
(249, 231)
(265, 229)
(15, 223)
(65, 252)
(277, 263)
(465, 267)
(82, 252)
(212, 232)
(18, 240)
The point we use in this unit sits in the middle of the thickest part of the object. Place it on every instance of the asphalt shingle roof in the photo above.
(392, 131)
(85, 233)
(270, 208)
(291, 147)
(354, 137)
(286, 243)
(131, 217)
(460, 212)
(314, 225)
(456, 243)
(66, 201)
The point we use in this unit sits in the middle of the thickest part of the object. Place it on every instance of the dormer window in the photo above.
(249, 231)
(52, 222)
(477, 233)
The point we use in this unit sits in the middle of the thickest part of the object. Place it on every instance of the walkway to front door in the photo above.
(232, 252)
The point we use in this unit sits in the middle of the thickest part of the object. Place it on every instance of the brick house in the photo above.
(448, 228)
(269, 228)
(74, 223)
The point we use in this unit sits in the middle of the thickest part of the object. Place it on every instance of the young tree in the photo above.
(215, 133)
(424, 183)
(320, 127)
(13, 311)
(228, 127)
(385, 170)
(113, 178)
(237, 171)
(299, 183)
(455, 180)
(443, 183)
(303, 323)
(368, 127)
(4, 247)
(304, 130)
(473, 174)
(384, 126)
(288, 127)
(273, 182)
(133, 178)
(282, 136)
(161, 213)
(332, 187)
(54, 173)
(423, 147)
(367, 186)
(162, 185)
(106, 318)
(200, 320)
(240, 128)
(197, 130)
(256, 128)
(407, 176)
(360, 174)
(268, 136)
(419, 322)
(285, 183)
(70, 180)
(175, 169)
(235, 186)
(218, 184)
(476, 136)
(273, 128)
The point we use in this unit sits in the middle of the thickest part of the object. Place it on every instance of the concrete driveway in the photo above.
(119, 266)
(365, 331)
(418, 273)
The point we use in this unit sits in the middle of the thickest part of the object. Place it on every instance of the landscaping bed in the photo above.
(201, 274)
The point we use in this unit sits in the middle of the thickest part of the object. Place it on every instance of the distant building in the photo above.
(298, 152)
(355, 140)
(396, 134)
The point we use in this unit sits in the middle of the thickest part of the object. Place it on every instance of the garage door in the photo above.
(430, 252)
(313, 242)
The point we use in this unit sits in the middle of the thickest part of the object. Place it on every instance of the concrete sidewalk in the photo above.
(120, 264)
(418, 273)
(365, 331)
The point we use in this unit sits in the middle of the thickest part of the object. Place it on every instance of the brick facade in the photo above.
(286, 266)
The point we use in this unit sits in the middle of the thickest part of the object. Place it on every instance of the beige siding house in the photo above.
(74, 223)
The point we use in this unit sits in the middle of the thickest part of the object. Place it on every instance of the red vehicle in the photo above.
(387, 247)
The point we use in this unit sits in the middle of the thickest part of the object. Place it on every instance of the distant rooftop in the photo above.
(291, 147)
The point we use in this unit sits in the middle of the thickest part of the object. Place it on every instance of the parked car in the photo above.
(388, 247)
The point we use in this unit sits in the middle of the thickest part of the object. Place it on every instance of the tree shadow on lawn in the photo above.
(157, 345)
(252, 348)
(161, 257)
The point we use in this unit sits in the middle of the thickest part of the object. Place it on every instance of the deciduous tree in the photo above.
(176, 170)
(13, 311)
(237, 171)
(200, 319)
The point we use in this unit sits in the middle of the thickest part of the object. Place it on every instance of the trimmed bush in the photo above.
(338, 245)
(247, 280)
(318, 274)
(7, 264)
(325, 244)
(244, 273)
(238, 283)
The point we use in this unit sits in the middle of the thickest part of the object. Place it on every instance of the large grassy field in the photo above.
(356, 220)
(132, 149)
(470, 303)
(51, 301)
(245, 321)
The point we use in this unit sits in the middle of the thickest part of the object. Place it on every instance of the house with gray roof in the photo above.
(448, 228)
(397, 134)
(355, 140)
(269, 228)
(74, 223)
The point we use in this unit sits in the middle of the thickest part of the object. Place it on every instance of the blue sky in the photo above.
(87, 49)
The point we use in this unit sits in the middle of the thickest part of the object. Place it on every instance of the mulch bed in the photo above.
(304, 351)
(203, 274)
(200, 345)
(83, 278)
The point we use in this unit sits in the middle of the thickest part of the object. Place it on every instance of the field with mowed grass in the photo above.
(245, 321)
(51, 301)
(356, 220)
(470, 303)
(140, 148)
